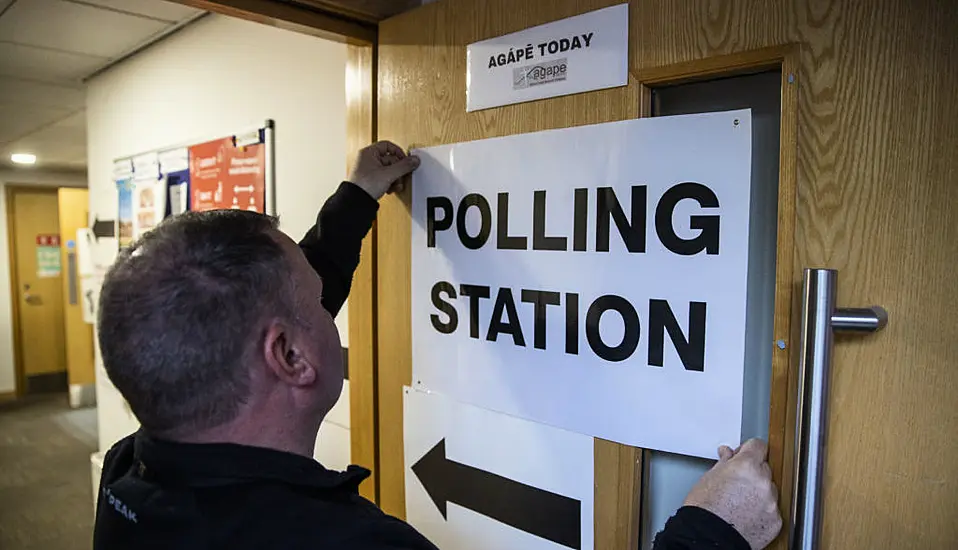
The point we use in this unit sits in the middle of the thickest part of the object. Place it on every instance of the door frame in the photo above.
(10, 190)
(361, 38)
(781, 435)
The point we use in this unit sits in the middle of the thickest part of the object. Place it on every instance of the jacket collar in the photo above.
(218, 464)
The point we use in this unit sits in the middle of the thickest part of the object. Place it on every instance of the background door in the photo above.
(870, 152)
(38, 290)
(78, 335)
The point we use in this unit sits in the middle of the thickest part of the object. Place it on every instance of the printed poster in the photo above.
(124, 189)
(224, 175)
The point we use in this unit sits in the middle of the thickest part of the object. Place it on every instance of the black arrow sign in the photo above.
(541, 513)
(104, 228)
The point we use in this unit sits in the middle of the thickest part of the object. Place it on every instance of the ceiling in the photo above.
(47, 49)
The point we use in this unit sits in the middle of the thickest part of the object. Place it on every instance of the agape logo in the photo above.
(540, 73)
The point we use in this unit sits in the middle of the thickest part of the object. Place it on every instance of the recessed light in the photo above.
(23, 158)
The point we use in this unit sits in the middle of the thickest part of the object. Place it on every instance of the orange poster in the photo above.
(223, 175)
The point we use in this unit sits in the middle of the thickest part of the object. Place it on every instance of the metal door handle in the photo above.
(820, 318)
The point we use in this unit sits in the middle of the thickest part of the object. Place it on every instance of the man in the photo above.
(218, 330)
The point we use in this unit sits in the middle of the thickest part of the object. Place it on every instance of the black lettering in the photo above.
(504, 302)
(475, 293)
(692, 349)
(449, 326)
(485, 225)
(540, 299)
(503, 240)
(630, 340)
(564, 44)
(553, 46)
(529, 53)
(542, 49)
(587, 38)
(575, 43)
(572, 323)
(501, 59)
(433, 224)
(580, 219)
(492, 61)
(539, 239)
(632, 231)
(511, 58)
(707, 239)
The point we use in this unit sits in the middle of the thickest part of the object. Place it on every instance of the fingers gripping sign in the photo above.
(380, 168)
(739, 490)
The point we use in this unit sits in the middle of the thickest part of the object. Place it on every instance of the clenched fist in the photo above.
(379, 167)
(739, 490)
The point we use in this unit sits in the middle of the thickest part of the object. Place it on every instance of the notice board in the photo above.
(229, 172)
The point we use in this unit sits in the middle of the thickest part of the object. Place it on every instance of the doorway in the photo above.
(36, 290)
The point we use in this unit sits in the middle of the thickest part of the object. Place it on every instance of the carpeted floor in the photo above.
(45, 490)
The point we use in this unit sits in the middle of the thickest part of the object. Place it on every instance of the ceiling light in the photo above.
(23, 158)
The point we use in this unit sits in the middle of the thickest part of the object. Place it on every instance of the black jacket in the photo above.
(160, 494)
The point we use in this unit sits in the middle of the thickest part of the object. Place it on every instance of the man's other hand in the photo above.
(739, 490)
(379, 167)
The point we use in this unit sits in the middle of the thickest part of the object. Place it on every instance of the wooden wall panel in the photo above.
(876, 198)
(360, 131)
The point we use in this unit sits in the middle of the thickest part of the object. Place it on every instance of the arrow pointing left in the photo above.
(541, 513)
(104, 228)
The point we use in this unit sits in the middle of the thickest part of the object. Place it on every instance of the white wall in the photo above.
(8, 378)
(214, 78)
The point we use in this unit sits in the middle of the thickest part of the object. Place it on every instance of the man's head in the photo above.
(215, 317)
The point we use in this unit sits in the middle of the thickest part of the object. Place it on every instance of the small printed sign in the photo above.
(476, 479)
(579, 54)
(48, 256)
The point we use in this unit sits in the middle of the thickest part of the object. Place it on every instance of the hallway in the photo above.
(45, 492)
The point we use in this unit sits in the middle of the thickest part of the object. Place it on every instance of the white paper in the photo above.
(569, 56)
(179, 194)
(546, 458)
(629, 400)
(149, 204)
(85, 240)
(90, 297)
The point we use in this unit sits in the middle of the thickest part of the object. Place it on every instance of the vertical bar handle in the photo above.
(820, 318)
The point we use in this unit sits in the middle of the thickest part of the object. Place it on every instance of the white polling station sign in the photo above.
(569, 56)
(590, 278)
(476, 479)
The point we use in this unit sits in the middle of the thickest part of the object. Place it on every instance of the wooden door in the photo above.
(73, 215)
(37, 288)
(868, 186)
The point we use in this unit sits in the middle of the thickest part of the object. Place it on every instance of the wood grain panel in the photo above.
(422, 103)
(618, 495)
(363, 417)
(876, 199)
(371, 11)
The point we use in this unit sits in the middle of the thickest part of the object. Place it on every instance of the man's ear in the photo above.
(284, 358)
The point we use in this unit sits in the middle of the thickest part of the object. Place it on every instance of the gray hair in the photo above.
(180, 312)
